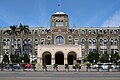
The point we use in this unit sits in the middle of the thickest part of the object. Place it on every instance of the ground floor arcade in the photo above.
(58, 54)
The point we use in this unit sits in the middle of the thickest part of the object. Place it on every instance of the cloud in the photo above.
(112, 21)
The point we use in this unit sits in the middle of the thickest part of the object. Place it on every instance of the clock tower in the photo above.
(59, 20)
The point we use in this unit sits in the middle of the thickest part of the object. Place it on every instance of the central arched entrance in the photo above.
(46, 58)
(59, 58)
(71, 57)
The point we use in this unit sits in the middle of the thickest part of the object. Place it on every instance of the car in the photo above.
(106, 65)
(6, 66)
(27, 66)
(16, 66)
(94, 66)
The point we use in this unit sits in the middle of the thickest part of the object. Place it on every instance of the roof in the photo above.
(59, 13)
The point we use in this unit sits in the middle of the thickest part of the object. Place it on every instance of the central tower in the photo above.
(59, 20)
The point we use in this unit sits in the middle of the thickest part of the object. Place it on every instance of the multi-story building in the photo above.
(60, 44)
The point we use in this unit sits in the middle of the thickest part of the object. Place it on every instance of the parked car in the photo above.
(94, 66)
(106, 65)
(5, 66)
(27, 66)
(16, 66)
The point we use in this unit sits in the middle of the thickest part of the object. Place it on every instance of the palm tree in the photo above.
(12, 32)
(23, 29)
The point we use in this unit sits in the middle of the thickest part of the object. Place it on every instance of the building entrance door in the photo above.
(59, 58)
(71, 57)
(47, 58)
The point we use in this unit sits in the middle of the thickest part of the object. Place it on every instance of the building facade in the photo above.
(60, 44)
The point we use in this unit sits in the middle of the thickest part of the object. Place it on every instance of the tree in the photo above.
(26, 58)
(5, 59)
(114, 58)
(23, 30)
(93, 56)
(16, 58)
(12, 32)
(104, 58)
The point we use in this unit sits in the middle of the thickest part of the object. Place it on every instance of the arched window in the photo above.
(4, 42)
(59, 40)
(90, 41)
(94, 41)
(29, 41)
(18, 41)
(25, 41)
(83, 41)
(8, 41)
(36, 42)
(111, 42)
(115, 42)
(105, 41)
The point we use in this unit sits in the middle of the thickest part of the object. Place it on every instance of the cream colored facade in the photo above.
(63, 49)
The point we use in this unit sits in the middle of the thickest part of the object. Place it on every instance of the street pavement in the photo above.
(59, 75)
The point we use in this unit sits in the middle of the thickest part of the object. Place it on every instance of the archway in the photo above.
(46, 58)
(59, 58)
(70, 57)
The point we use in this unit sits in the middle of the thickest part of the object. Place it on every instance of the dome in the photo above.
(59, 13)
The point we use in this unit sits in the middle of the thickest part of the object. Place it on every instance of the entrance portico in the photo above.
(58, 54)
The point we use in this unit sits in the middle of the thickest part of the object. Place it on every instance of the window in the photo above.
(4, 42)
(52, 23)
(83, 41)
(70, 37)
(115, 42)
(105, 31)
(48, 42)
(101, 42)
(100, 31)
(111, 31)
(57, 23)
(90, 41)
(29, 41)
(8, 42)
(66, 23)
(18, 41)
(36, 32)
(25, 41)
(42, 41)
(36, 42)
(94, 41)
(49, 38)
(111, 42)
(59, 40)
(83, 32)
(105, 41)
(93, 32)
(43, 31)
(62, 23)
(76, 41)
(89, 31)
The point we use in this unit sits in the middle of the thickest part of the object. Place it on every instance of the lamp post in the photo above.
(109, 57)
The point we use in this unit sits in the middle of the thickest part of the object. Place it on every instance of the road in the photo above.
(59, 75)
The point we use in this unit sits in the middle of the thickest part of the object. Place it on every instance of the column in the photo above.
(39, 60)
(53, 60)
(65, 60)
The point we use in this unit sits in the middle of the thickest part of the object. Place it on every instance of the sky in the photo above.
(81, 13)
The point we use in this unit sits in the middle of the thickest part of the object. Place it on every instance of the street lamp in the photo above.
(109, 57)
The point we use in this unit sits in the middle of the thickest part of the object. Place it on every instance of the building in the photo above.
(60, 44)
